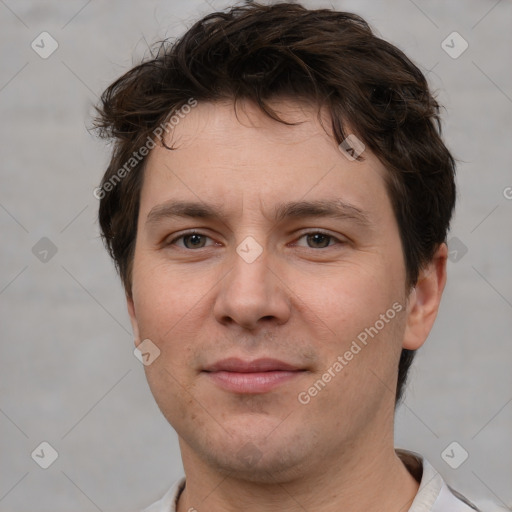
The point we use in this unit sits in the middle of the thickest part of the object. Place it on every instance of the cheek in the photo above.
(351, 298)
(363, 308)
(165, 306)
(173, 307)
(175, 396)
(163, 296)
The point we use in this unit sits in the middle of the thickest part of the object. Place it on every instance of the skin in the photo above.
(303, 300)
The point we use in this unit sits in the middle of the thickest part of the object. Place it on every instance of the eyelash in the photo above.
(313, 232)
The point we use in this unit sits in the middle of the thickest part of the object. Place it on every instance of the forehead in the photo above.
(227, 127)
(232, 154)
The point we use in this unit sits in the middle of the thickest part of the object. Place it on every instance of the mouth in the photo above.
(258, 376)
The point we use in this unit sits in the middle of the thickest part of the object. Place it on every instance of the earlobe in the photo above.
(133, 319)
(424, 299)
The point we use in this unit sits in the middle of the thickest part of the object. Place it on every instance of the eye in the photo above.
(314, 240)
(319, 239)
(193, 240)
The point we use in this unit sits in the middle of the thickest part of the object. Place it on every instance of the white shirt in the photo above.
(433, 494)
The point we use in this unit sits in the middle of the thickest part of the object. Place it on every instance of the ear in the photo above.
(133, 319)
(424, 299)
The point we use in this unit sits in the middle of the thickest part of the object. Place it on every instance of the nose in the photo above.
(253, 294)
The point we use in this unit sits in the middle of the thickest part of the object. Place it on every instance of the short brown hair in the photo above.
(262, 52)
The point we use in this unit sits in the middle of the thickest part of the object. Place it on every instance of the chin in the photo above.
(252, 465)
(262, 454)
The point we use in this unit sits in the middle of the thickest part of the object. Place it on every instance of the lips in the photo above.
(234, 364)
(257, 376)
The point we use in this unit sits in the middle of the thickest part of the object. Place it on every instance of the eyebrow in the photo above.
(336, 209)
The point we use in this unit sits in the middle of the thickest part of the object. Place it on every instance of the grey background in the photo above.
(68, 374)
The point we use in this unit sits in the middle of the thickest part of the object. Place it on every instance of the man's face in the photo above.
(270, 277)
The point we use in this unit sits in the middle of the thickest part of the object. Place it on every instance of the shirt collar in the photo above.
(433, 494)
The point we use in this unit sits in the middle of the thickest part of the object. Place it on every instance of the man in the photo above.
(277, 206)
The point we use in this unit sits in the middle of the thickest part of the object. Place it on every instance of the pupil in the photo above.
(318, 237)
(194, 239)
